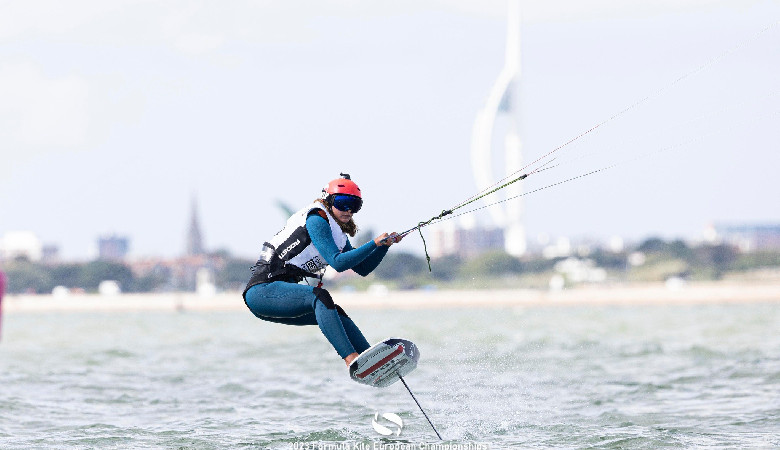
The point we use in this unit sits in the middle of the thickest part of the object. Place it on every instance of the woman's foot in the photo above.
(351, 357)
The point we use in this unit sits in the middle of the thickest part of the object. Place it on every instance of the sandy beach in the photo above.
(660, 294)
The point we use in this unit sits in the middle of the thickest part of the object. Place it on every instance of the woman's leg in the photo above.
(297, 304)
(353, 333)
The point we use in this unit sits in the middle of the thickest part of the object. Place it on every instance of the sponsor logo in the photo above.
(392, 418)
(289, 247)
(313, 265)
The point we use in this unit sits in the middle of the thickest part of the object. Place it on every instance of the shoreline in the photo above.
(642, 294)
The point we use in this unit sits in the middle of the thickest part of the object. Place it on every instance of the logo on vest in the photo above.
(313, 265)
(289, 247)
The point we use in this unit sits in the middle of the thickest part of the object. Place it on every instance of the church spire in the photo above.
(194, 237)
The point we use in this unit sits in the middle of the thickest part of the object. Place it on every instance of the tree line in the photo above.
(662, 259)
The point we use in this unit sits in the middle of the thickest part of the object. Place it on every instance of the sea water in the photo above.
(490, 378)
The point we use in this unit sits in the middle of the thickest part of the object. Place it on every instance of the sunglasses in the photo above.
(347, 203)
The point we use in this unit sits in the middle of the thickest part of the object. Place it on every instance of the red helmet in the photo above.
(343, 185)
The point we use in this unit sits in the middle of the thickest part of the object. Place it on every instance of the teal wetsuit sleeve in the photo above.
(372, 261)
(321, 237)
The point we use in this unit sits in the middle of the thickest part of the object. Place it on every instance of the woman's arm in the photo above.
(321, 237)
(368, 265)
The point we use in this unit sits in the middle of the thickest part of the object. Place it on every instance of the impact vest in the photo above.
(290, 254)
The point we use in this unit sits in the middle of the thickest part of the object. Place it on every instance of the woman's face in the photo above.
(341, 216)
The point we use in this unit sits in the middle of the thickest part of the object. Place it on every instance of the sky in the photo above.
(115, 115)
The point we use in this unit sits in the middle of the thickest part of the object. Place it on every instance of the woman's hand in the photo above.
(387, 239)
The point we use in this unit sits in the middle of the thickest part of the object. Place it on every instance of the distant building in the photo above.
(185, 270)
(748, 237)
(51, 253)
(559, 248)
(185, 273)
(113, 248)
(194, 236)
(446, 240)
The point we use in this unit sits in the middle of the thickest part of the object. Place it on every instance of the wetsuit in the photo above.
(287, 302)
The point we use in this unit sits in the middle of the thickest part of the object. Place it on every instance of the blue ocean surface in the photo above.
(601, 377)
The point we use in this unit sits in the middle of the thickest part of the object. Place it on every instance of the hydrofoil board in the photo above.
(382, 364)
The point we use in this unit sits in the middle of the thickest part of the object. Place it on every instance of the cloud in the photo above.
(39, 112)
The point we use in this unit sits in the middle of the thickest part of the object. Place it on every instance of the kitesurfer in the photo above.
(313, 238)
